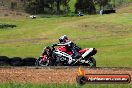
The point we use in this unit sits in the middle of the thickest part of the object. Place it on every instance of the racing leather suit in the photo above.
(71, 47)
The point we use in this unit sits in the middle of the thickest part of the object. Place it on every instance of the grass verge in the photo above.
(29, 85)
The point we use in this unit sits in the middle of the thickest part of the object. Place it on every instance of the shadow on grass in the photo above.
(17, 61)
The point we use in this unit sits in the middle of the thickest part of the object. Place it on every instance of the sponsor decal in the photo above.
(83, 78)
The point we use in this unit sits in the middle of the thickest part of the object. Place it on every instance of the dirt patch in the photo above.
(22, 40)
(126, 8)
(50, 75)
(6, 12)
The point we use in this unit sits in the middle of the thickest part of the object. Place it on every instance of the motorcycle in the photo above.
(61, 56)
(45, 58)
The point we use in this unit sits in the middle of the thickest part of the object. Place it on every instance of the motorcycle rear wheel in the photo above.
(92, 62)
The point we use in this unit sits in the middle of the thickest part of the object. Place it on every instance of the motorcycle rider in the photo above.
(64, 41)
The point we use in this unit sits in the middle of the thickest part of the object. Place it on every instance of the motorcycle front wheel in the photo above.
(40, 62)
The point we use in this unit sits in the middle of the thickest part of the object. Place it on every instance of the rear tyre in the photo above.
(92, 62)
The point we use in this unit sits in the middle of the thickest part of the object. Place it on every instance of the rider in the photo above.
(64, 41)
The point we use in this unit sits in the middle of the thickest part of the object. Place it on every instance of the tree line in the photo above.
(43, 6)
(59, 6)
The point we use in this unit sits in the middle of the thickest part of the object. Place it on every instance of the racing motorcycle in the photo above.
(61, 56)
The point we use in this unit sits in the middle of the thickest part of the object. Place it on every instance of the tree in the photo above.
(13, 5)
(66, 6)
(102, 3)
(62, 4)
(85, 6)
(31, 6)
(47, 6)
(58, 6)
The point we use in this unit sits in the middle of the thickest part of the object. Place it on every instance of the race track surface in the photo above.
(51, 74)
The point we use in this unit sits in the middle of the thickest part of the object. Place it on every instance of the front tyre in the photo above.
(40, 62)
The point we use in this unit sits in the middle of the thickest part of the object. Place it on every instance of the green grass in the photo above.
(110, 34)
(15, 85)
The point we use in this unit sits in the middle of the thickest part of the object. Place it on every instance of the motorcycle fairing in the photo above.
(65, 55)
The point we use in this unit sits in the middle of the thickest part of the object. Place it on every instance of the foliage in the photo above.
(47, 6)
(13, 5)
(102, 3)
(85, 6)
(61, 7)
